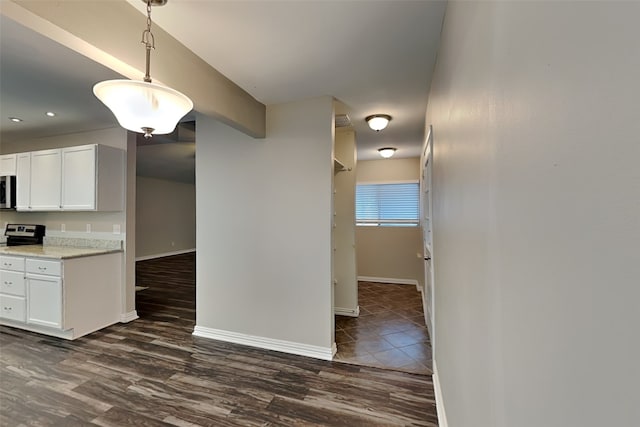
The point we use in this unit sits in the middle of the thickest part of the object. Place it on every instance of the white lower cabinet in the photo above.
(65, 298)
(12, 289)
(45, 301)
(12, 307)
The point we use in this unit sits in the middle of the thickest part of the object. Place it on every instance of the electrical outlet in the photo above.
(116, 228)
(173, 244)
(63, 227)
(88, 228)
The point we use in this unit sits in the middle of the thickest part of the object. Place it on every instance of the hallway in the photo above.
(390, 332)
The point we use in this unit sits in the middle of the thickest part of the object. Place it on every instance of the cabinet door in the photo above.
(46, 169)
(8, 164)
(44, 300)
(23, 181)
(79, 178)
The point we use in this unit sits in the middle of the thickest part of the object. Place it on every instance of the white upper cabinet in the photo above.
(23, 181)
(82, 178)
(8, 164)
(46, 185)
(92, 178)
(79, 177)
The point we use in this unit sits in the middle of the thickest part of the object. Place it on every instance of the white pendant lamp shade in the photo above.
(143, 107)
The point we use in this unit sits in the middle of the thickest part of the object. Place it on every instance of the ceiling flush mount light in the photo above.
(50, 114)
(378, 122)
(387, 152)
(15, 119)
(142, 106)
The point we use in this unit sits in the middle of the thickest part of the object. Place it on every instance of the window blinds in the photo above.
(388, 204)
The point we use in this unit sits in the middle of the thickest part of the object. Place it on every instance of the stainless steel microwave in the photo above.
(7, 192)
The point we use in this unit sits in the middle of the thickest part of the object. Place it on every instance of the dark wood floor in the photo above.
(153, 372)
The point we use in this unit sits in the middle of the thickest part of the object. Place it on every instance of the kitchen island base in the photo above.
(65, 297)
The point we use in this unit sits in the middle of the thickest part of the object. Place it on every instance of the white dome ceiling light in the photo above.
(142, 106)
(378, 122)
(387, 152)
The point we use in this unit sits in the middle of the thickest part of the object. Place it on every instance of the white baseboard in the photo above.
(162, 255)
(324, 353)
(128, 317)
(442, 415)
(347, 311)
(388, 280)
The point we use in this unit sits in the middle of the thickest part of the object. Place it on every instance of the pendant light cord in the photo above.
(149, 42)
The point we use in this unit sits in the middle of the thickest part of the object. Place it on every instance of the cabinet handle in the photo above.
(8, 283)
(42, 268)
(6, 264)
(7, 308)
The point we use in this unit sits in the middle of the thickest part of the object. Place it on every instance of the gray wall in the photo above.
(264, 228)
(534, 107)
(165, 217)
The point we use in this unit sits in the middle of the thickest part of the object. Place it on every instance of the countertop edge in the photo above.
(55, 252)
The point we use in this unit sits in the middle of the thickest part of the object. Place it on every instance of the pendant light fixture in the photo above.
(378, 122)
(143, 106)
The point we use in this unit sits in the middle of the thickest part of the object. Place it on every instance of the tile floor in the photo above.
(390, 332)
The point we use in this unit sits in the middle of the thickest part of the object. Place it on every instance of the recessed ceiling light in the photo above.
(15, 119)
(50, 114)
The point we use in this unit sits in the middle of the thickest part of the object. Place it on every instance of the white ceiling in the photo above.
(376, 56)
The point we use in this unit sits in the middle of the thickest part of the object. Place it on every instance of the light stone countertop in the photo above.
(55, 252)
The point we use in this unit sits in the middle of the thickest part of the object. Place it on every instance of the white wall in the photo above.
(534, 107)
(389, 253)
(165, 217)
(264, 228)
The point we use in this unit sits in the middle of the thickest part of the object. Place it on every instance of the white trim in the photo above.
(442, 415)
(128, 317)
(324, 353)
(154, 256)
(54, 332)
(334, 349)
(340, 311)
(388, 280)
(392, 181)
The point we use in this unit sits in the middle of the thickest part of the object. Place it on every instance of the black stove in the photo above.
(24, 234)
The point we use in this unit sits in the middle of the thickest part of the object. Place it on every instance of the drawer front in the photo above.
(40, 266)
(12, 282)
(12, 308)
(12, 263)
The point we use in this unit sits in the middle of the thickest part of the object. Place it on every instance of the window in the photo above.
(388, 204)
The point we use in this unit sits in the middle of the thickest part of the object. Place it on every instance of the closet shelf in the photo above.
(338, 166)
